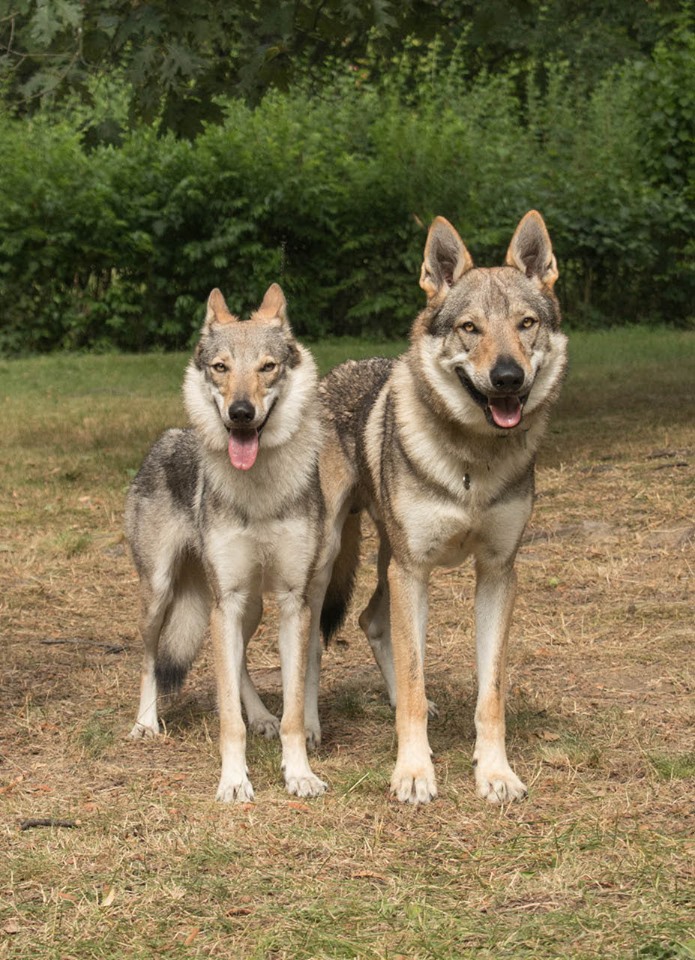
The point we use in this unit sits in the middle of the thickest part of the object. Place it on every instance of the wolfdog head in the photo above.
(248, 378)
(488, 342)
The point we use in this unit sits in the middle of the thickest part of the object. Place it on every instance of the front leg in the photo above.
(295, 620)
(226, 629)
(413, 779)
(340, 535)
(494, 602)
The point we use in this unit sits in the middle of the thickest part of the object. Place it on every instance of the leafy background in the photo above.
(147, 156)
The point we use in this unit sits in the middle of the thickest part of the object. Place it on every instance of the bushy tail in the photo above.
(339, 592)
(184, 626)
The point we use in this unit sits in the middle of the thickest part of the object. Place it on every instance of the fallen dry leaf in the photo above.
(368, 875)
(109, 898)
(12, 784)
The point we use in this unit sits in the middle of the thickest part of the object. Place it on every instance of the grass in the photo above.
(597, 863)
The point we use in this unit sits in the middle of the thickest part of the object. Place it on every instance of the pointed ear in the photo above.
(273, 305)
(446, 258)
(218, 311)
(531, 252)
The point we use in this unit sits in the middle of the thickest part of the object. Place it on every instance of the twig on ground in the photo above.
(109, 647)
(48, 822)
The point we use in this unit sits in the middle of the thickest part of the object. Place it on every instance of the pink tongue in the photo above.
(243, 448)
(506, 411)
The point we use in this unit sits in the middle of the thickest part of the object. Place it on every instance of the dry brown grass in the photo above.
(597, 863)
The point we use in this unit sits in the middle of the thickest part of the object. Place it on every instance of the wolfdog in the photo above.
(439, 447)
(223, 511)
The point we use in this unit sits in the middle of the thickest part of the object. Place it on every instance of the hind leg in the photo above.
(175, 612)
(154, 605)
(329, 595)
(260, 720)
(375, 620)
(376, 625)
(312, 724)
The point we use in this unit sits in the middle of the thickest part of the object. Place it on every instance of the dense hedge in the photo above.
(119, 246)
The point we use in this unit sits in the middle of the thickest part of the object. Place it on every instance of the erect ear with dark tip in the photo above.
(218, 311)
(273, 305)
(531, 251)
(446, 258)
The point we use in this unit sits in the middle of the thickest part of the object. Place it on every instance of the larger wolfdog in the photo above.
(220, 513)
(439, 447)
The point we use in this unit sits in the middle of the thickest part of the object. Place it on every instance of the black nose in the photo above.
(241, 413)
(507, 375)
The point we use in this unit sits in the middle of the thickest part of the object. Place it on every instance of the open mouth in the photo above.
(243, 444)
(501, 411)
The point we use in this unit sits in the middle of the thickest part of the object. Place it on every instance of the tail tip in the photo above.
(332, 619)
(170, 675)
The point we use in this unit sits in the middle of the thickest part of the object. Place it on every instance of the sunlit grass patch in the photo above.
(670, 767)
(97, 734)
(72, 542)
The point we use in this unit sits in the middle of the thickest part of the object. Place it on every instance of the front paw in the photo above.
(237, 790)
(414, 785)
(306, 785)
(498, 784)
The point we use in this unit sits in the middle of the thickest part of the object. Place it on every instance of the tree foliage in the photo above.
(105, 245)
(178, 58)
(150, 151)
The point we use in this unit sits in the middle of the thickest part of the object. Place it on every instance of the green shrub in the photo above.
(117, 246)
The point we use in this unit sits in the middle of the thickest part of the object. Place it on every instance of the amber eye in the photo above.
(527, 323)
(469, 327)
(268, 367)
(220, 367)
